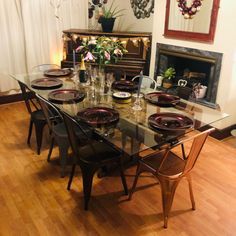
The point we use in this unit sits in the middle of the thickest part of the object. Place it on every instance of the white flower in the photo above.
(117, 51)
(89, 57)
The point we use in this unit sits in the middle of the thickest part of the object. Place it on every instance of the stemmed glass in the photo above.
(109, 81)
(93, 76)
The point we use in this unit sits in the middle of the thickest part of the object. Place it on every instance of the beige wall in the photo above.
(225, 42)
(128, 22)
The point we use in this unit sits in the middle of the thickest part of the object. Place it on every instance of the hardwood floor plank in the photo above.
(34, 199)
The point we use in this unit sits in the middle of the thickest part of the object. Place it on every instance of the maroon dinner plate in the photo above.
(61, 96)
(170, 121)
(46, 83)
(97, 116)
(57, 72)
(125, 85)
(162, 99)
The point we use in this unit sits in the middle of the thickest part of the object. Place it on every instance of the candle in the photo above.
(140, 82)
(74, 59)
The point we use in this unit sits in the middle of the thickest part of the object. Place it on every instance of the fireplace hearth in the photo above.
(194, 68)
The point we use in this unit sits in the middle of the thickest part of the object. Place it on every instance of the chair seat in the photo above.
(38, 115)
(97, 152)
(172, 166)
(60, 130)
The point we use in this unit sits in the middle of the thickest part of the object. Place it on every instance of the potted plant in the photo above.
(107, 19)
(168, 75)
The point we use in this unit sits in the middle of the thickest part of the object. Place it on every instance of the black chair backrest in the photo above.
(51, 113)
(85, 137)
(28, 97)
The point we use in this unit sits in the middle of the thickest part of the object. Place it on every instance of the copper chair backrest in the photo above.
(198, 142)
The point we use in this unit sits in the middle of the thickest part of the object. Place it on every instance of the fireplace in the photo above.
(196, 68)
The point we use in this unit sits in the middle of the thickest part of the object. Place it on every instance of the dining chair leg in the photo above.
(191, 192)
(167, 191)
(87, 173)
(39, 134)
(63, 153)
(72, 173)
(123, 179)
(138, 172)
(50, 149)
(30, 132)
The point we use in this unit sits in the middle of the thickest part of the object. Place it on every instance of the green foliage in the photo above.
(112, 12)
(169, 73)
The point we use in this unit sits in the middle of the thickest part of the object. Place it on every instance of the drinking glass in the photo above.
(109, 80)
(137, 104)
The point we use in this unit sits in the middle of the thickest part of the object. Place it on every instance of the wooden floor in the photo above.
(34, 199)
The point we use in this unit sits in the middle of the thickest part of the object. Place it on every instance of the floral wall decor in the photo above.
(142, 8)
(95, 10)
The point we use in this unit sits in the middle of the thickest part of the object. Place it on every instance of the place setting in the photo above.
(168, 121)
(46, 83)
(162, 99)
(66, 96)
(58, 72)
(99, 116)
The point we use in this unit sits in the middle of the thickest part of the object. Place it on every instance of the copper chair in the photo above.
(90, 154)
(170, 168)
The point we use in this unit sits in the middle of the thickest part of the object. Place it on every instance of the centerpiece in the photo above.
(102, 50)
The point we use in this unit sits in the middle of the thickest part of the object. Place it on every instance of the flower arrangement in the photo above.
(102, 50)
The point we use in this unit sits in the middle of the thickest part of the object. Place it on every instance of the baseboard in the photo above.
(220, 133)
(10, 98)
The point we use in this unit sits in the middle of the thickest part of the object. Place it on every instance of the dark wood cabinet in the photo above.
(138, 46)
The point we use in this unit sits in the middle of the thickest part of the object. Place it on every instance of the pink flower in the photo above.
(79, 48)
(89, 57)
(117, 51)
(107, 55)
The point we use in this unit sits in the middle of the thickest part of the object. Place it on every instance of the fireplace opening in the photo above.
(195, 69)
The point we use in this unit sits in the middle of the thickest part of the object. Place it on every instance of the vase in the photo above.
(200, 92)
(167, 83)
(159, 80)
(107, 24)
(100, 80)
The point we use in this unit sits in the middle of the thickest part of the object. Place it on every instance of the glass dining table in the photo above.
(131, 131)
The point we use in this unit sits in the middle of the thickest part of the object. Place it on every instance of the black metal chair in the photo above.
(36, 115)
(90, 154)
(58, 131)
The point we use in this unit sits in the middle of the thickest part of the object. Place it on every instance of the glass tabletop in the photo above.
(132, 133)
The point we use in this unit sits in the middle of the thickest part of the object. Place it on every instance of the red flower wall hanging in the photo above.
(189, 11)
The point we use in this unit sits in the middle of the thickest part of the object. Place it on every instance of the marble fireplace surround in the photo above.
(207, 61)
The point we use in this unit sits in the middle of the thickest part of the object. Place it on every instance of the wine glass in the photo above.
(109, 80)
